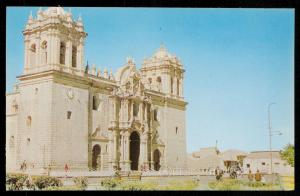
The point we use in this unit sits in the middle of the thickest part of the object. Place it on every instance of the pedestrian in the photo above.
(258, 176)
(49, 169)
(263, 180)
(250, 176)
(218, 174)
(66, 167)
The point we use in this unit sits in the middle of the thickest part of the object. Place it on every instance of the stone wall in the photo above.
(70, 136)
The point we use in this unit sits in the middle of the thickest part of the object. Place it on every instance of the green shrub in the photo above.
(61, 188)
(110, 183)
(43, 182)
(81, 182)
(15, 181)
(226, 184)
(181, 185)
(138, 185)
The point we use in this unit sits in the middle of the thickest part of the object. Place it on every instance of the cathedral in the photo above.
(64, 112)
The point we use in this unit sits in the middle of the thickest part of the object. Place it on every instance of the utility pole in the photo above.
(270, 136)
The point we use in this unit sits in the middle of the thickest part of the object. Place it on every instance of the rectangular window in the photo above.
(69, 114)
(74, 56)
(155, 114)
(248, 165)
(135, 109)
(95, 103)
(263, 163)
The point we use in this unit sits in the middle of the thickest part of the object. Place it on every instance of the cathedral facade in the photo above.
(64, 112)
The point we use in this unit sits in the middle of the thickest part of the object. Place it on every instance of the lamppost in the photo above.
(271, 133)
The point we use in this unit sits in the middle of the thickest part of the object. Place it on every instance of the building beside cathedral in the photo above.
(64, 112)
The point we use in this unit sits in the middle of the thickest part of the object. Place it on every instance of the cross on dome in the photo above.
(162, 52)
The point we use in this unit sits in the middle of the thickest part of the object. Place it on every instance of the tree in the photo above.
(288, 154)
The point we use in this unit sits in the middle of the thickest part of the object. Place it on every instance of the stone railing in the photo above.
(67, 69)
(82, 173)
(57, 67)
(177, 172)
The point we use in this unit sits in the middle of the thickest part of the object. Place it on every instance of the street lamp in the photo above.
(271, 133)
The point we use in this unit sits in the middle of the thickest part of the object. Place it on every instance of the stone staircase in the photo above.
(131, 175)
(105, 162)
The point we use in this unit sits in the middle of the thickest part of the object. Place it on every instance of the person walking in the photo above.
(250, 176)
(218, 174)
(258, 176)
(66, 167)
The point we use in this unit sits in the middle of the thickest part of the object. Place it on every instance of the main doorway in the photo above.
(156, 159)
(96, 152)
(134, 150)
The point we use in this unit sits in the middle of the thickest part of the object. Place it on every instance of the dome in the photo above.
(53, 11)
(161, 56)
(162, 53)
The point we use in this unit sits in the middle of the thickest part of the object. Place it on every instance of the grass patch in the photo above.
(288, 182)
(136, 185)
(233, 184)
(225, 185)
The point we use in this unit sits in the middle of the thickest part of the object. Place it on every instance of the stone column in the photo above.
(126, 115)
(145, 112)
(110, 150)
(26, 54)
(131, 115)
(57, 50)
(181, 87)
(175, 85)
(80, 54)
(144, 150)
(38, 51)
(68, 55)
(127, 151)
(102, 160)
(140, 115)
(116, 145)
(122, 147)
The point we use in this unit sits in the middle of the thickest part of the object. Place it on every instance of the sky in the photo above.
(236, 62)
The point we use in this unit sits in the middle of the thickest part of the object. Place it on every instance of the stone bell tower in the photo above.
(164, 72)
(53, 38)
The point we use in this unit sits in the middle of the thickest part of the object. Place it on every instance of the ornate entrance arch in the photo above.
(156, 159)
(134, 150)
(96, 152)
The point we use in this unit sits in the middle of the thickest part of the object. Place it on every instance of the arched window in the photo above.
(11, 141)
(15, 106)
(135, 109)
(171, 85)
(158, 80)
(155, 114)
(177, 87)
(62, 53)
(28, 121)
(32, 54)
(69, 113)
(74, 56)
(96, 102)
(44, 53)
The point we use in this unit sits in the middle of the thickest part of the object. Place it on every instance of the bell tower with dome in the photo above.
(164, 72)
(53, 38)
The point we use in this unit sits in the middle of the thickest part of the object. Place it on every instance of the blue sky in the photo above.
(236, 61)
